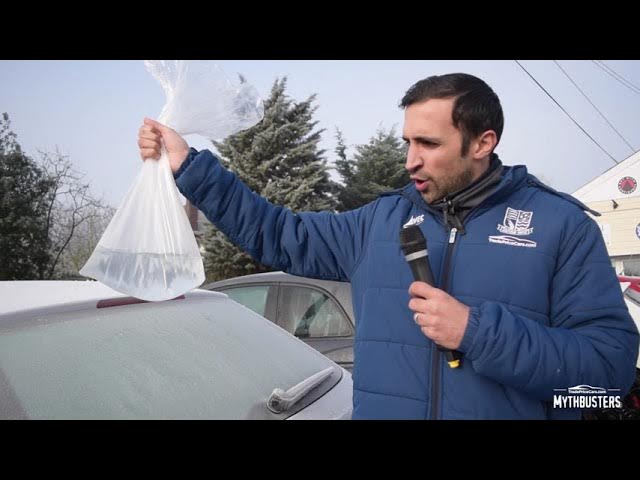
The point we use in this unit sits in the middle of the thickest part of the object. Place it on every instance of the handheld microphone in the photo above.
(414, 247)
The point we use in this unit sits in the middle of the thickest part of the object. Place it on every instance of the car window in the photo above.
(310, 313)
(201, 358)
(253, 297)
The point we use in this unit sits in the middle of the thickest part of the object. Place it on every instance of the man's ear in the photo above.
(484, 144)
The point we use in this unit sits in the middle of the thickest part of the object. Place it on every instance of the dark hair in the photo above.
(476, 108)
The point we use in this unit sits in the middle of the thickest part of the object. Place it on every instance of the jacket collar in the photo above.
(496, 183)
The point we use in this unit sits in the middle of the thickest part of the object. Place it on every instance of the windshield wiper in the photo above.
(280, 401)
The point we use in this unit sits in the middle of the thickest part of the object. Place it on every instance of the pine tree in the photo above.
(377, 167)
(344, 166)
(279, 159)
(24, 192)
(346, 169)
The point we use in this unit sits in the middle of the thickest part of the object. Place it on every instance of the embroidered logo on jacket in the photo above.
(516, 222)
(516, 242)
(414, 221)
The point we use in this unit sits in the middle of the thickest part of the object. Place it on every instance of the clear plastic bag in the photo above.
(149, 250)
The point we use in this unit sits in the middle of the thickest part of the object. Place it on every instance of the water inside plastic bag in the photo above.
(159, 276)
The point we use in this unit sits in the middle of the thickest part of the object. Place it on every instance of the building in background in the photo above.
(616, 195)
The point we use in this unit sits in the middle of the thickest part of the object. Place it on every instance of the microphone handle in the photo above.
(422, 273)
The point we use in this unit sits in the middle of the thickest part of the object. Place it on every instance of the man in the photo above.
(526, 290)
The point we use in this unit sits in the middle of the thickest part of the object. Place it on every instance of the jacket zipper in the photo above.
(437, 354)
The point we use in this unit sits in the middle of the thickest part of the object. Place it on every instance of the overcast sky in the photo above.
(91, 110)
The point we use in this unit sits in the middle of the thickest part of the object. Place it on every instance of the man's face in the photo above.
(434, 159)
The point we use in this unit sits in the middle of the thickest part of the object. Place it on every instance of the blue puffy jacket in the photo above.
(547, 312)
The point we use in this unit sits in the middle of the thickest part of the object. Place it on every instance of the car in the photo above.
(80, 350)
(319, 312)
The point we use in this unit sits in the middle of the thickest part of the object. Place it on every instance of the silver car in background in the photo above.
(79, 350)
(319, 312)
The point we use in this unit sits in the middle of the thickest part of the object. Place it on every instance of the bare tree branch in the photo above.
(70, 205)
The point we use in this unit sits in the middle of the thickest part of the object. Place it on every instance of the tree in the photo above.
(377, 167)
(279, 159)
(8, 139)
(24, 192)
(70, 205)
(346, 169)
(42, 206)
(85, 237)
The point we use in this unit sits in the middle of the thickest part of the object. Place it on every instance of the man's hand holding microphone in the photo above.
(441, 317)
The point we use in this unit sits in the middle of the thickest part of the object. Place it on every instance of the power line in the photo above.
(616, 76)
(629, 82)
(567, 113)
(594, 106)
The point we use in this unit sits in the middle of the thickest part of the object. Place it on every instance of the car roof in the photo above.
(60, 295)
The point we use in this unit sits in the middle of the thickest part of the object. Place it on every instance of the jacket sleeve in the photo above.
(312, 244)
(591, 338)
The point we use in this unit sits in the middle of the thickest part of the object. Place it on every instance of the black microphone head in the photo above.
(412, 240)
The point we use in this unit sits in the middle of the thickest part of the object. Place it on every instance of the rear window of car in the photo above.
(253, 297)
(201, 358)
